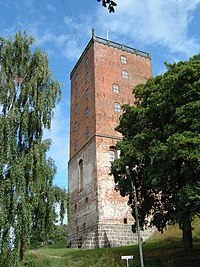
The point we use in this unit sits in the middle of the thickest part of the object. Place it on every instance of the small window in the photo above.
(117, 107)
(87, 112)
(112, 153)
(115, 88)
(123, 59)
(86, 200)
(125, 220)
(86, 78)
(76, 91)
(75, 206)
(75, 126)
(86, 63)
(80, 173)
(87, 132)
(86, 94)
(125, 74)
(76, 79)
(76, 145)
(76, 108)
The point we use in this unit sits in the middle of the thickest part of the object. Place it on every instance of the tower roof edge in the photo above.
(111, 44)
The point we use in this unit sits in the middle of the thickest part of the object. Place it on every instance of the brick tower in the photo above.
(101, 81)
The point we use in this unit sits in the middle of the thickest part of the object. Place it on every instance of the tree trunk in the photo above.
(187, 235)
(22, 248)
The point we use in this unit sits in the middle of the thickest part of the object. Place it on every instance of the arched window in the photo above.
(87, 133)
(123, 59)
(86, 63)
(115, 88)
(76, 108)
(76, 79)
(86, 94)
(124, 74)
(112, 153)
(80, 175)
(75, 145)
(86, 77)
(87, 112)
(117, 107)
(75, 126)
(76, 90)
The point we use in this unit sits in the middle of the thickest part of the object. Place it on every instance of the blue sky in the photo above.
(169, 30)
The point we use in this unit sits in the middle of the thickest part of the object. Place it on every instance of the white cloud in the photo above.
(51, 8)
(153, 22)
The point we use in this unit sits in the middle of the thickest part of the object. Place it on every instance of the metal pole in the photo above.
(136, 217)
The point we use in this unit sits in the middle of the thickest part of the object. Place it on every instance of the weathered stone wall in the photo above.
(83, 203)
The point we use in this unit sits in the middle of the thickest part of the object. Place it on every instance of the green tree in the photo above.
(161, 146)
(28, 95)
(49, 211)
(108, 4)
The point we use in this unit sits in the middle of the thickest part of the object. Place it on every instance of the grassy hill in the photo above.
(160, 248)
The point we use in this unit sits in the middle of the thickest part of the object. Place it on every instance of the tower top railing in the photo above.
(112, 44)
(122, 47)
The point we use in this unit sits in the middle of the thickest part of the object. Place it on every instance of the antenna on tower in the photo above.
(107, 35)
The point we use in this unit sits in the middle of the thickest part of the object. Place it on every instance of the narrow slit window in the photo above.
(76, 145)
(87, 112)
(80, 168)
(87, 132)
(75, 126)
(86, 77)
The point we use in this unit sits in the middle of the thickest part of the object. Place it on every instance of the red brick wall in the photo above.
(108, 70)
(104, 206)
(82, 102)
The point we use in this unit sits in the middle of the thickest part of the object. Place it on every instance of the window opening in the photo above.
(113, 153)
(123, 59)
(75, 145)
(86, 77)
(86, 94)
(76, 108)
(76, 91)
(87, 132)
(117, 107)
(115, 88)
(86, 63)
(80, 174)
(76, 79)
(75, 126)
(125, 74)
(87, 112)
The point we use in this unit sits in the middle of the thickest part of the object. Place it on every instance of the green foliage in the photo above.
(28, 95)
(108, 3)
(161, 146)
(158, 249)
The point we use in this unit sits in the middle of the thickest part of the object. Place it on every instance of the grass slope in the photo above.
(160, 248)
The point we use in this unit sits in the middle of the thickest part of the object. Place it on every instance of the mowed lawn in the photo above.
(158, 249)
